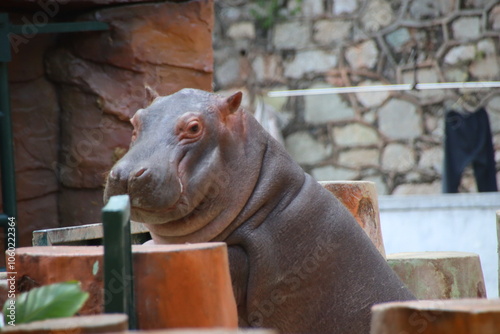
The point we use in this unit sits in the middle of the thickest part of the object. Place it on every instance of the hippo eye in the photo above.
(192, 128)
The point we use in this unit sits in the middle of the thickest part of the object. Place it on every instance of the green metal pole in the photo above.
(118, 271)
(7, 154)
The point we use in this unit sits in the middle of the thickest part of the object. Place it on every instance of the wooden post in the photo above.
(455, 316)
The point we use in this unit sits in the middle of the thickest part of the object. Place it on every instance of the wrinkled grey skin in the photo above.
(201, 169)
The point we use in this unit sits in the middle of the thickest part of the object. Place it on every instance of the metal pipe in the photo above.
(385, 88)
(7, 153)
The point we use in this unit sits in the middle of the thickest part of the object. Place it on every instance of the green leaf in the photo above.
(50, 301)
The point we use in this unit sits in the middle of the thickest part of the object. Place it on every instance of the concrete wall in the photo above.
(393, 139)
(450, 222)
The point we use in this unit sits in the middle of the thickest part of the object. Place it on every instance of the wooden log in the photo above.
(175, 285)
(183, 286)
(360, 198)
(440, 275)
(498, 246)
(37, 266)
(102, 323)
(207, 331)
(455, 316)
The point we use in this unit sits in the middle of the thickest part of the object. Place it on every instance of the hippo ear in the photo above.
(151, 94)
(233, 102)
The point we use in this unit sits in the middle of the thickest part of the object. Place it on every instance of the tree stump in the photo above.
(207, 331)
(102, 323)
(175, 285)
(456, 316)
(440, 275)
(360, 198)
(498, 247)
(183, 286)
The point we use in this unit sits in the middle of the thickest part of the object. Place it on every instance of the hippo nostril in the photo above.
(140, 172)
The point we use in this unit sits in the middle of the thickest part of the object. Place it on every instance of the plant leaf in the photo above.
(50, 301)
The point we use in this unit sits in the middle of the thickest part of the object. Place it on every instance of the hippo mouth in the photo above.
(180, 212)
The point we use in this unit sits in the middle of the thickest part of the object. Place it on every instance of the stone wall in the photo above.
(73, 94)
(392, 138)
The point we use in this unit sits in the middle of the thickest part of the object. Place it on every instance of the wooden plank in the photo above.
(102, 323)
(90, 234)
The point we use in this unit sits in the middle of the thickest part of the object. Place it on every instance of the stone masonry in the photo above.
(392, 138)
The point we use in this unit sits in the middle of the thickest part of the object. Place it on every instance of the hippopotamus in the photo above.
(200, 168)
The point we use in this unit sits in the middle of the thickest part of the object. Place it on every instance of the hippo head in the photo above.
(178, 169)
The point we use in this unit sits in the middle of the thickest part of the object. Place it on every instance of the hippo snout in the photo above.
(121, 178)
(154, 191)
(125, 176)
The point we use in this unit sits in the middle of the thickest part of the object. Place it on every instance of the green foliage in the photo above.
(50, 301)
(268, 12)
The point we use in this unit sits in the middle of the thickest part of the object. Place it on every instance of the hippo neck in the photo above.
(279, 180)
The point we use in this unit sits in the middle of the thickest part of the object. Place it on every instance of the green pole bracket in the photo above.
(118, 273)
(7, 29)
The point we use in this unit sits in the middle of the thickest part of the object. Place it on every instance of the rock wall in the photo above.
(392, 138)
(73, 94)
(35, 124)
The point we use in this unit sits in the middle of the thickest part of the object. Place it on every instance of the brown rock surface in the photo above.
(165, 33)
(102, 79)
(80, 206)
(27, 58)
(463, 316)
(35, 214)
(35, 118)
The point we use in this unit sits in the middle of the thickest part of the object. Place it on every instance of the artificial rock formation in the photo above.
(72, 94)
